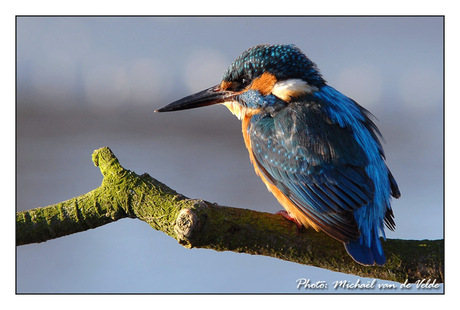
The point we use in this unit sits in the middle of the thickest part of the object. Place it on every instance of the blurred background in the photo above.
(88, 82)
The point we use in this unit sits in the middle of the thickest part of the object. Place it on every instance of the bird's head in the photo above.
(263, 79)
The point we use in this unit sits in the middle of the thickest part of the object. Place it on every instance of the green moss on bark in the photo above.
(197, 223)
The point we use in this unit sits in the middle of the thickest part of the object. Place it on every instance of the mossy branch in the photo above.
(201, 224)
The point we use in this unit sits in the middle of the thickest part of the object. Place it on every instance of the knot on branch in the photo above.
(189, 222)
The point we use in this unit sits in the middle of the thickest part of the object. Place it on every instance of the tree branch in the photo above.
(201, 224)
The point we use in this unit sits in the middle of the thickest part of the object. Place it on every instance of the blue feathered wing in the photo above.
(317, 164)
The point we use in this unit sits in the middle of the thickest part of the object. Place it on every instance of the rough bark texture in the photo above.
(201, 224)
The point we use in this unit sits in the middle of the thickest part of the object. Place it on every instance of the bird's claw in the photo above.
(287, 216)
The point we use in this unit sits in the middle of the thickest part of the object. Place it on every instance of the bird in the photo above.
(316, 150)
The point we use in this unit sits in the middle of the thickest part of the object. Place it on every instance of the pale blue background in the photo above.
(84, 83)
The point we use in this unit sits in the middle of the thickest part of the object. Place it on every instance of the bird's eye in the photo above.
(242, 83)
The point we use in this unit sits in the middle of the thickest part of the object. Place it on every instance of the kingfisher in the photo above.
(317, 151)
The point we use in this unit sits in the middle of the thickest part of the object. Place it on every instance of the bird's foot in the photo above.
(287, 216)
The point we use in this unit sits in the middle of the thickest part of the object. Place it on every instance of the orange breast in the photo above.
(292, 209)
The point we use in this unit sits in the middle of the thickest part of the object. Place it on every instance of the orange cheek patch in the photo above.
(264, 83)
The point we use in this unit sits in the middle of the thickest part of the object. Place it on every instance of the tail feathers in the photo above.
(366, 255)
(394, 186)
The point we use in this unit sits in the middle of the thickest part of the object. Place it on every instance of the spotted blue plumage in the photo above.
(284, 61)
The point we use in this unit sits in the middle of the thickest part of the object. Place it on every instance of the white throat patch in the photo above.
(240, 111)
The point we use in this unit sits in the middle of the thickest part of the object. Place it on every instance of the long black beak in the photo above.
(203, 98)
